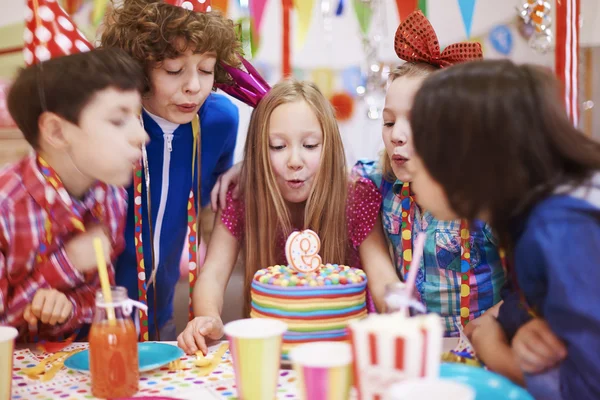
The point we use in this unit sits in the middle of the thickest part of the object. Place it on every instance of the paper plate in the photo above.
(150, 355)
(487, 385)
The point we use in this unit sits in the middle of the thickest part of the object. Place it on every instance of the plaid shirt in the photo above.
(25, 215)
(439, 279)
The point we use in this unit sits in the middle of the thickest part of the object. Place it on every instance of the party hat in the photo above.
(192, 5)
(247, 86)
(50, 32)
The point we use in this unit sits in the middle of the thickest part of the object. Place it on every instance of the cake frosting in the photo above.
(316, 306)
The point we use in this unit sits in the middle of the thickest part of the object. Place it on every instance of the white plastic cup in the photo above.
(430, 389)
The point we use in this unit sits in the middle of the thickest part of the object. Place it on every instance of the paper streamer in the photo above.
(257, 10)
(423, 6)
(221, 5)
(286, 67)
(567, 54)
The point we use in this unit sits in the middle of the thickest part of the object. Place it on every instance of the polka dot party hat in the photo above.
(50, 32)
(192, 5)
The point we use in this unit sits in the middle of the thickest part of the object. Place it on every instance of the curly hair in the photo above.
(149, 31)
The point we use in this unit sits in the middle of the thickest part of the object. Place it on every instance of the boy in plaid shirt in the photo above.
(80, 114)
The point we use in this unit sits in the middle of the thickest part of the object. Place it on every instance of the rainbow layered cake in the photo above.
(315, 305)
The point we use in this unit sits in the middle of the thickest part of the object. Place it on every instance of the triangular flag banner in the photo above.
(98, 11)
(71, 6)
(50, 32)
(405, 7)
(304, 9)
(340, 8)
(221, 5)
(257, 9)
(363, 15)
(423, 7)
(467, 8)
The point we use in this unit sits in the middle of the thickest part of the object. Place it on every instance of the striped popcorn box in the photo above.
(389, 348)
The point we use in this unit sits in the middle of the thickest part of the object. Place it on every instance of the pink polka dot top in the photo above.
(362, 208)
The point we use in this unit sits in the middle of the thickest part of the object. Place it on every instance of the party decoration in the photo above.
(71, 6)
(352, 79)
(192, 5)
(304, 10)
(340, 8)
(221, 5)
(423, 6)
(363, 11)
(343, 104)
(286, 57)
(249, 43)
(537, 14)
(5, 119)
(98, 11)
(501, 39)
(567, 54)
(50, 32)
(405, 7)
(248, 86)
(467, 8)
(416, 41)
(323, 78)
(257, 9)
(302, 251)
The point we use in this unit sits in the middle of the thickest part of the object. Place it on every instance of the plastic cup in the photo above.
(7, 346)
(430, 389)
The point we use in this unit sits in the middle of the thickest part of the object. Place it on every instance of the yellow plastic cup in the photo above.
(255, 346)
(7, 346)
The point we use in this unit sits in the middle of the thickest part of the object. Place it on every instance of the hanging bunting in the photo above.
(364, 13)
(286, 67)
(405, 7)
(501, 39)
(323, 78)
(249, 43)
(340, 8)
(98, 11)
(304, 10)
(567, 54)
(71, 6)
(467, 8)
(257, 9)
(423, 7)
(221, 5)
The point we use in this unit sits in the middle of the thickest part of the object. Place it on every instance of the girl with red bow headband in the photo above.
(461, 273)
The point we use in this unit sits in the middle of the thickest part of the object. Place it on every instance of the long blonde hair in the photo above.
(407, 70)
(266, 214)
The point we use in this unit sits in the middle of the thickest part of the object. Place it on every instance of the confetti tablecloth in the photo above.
(183, 384)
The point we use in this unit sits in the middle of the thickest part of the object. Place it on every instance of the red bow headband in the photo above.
(416, 41)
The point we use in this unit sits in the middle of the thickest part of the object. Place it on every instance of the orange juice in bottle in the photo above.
(114, 364)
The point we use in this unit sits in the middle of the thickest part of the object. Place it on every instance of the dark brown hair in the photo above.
(65, 85)
(149, 30)
(496, 136)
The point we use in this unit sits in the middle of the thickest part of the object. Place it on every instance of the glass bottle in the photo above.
(114, 364)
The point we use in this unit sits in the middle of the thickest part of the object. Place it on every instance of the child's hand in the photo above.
(536, 347)
(193, 337)
(80, 249)
(218, 196)
(49, 306)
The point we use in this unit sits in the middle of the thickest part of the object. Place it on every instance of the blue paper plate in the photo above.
(487, 385)
(151, 355)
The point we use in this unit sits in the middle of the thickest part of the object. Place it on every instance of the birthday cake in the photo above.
(316, 306)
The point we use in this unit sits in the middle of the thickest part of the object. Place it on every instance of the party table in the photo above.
(183, 383)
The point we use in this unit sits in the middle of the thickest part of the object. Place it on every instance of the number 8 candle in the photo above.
(302, 251)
